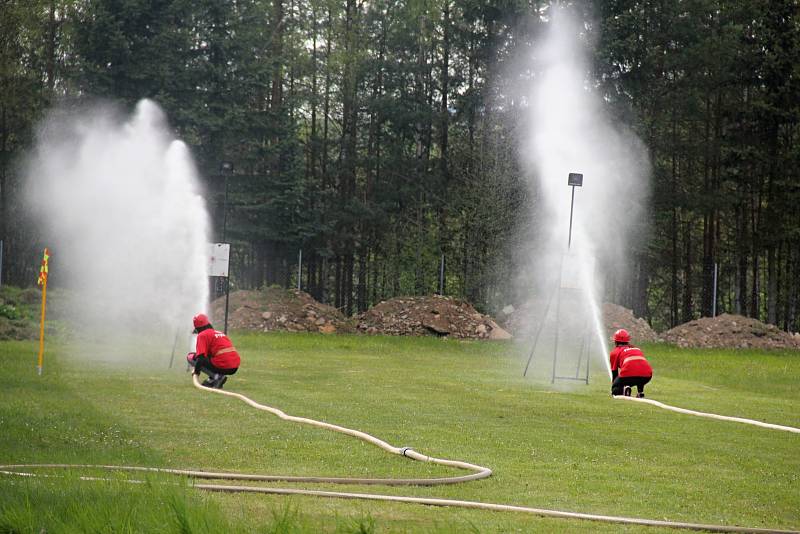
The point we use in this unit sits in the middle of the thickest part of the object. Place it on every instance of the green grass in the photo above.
(571, 448)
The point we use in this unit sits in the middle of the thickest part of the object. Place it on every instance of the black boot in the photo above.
(211, 381)
(626, 391)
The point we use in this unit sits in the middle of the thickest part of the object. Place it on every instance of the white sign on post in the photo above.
(218, 254)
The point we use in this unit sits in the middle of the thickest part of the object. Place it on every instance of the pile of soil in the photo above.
(731, 331)
(616, 317)
(271, 309)
(430, 315)
(524, 320)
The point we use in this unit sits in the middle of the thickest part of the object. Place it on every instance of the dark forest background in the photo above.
(368, 135)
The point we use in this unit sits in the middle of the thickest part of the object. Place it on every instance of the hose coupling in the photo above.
(404, 450)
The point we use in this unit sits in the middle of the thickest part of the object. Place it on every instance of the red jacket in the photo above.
(218, 348)
(630, 361)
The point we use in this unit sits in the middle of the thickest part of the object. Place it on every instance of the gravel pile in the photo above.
(616, 317)
(731, 331)
(433, 315)
(524, 320)
(272, 309)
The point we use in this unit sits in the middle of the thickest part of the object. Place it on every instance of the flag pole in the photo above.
(41, 327)
(43, 272)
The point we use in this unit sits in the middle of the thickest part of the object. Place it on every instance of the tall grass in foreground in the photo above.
(67, 504)
(160, 506)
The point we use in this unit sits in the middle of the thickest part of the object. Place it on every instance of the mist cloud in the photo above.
(122, 211)
(567, 129)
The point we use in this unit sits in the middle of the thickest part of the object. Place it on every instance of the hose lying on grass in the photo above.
(712, 415)
(479, 473)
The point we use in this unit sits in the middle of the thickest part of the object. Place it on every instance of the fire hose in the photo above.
(711, 415)
(479, 472)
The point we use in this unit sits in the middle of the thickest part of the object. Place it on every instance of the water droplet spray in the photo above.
(567, 128)
(119, 202)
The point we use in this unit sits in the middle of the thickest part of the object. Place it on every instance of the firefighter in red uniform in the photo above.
(214, 353)
(629, 367)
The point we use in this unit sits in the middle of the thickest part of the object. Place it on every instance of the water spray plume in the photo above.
(567, 129)
(119, 200)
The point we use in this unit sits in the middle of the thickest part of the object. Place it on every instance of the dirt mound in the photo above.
(616, 317)
(434, 315)
(278, 309)
(524, 321)
(731, 331)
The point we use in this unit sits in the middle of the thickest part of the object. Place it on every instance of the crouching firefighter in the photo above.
(214, 353)
(629, 367)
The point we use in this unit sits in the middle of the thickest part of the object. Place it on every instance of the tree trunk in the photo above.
(311, 276)
(327, 103)
(780, 285)
(772, 220)
(708, 221)
(4, 133)
(322, 284)
(338, 285)
(688, 305)
(313, 142)
(674, 228)
(375, 265)
(276, 95)
(741, 264)
(51, 51)
(348, 285)
(772, 285)
(361, 298)
(444, 167)
(794, 289)
(262, 259)
(347, 176)
(420, 141)
(755, 301)
(396, 268)
(640, 296)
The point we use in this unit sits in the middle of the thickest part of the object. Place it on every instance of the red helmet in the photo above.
(200, 320)
(622, 335)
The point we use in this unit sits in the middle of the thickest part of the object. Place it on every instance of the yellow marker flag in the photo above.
(44, 268)
(43, 272)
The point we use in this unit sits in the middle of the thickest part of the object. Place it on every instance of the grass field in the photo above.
(569, 449)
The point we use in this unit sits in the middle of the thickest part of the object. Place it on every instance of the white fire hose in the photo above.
(712, 415)
(479, 473)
